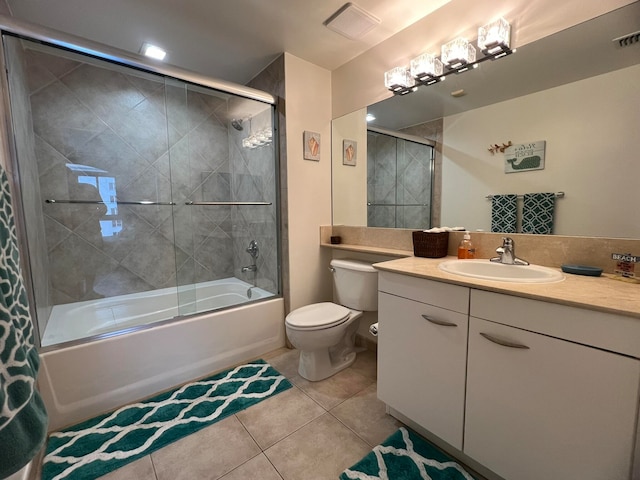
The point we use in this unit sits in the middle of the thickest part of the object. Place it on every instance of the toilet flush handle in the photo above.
(332, 270)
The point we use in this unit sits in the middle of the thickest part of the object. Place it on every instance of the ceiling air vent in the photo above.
(628, 40)
(351, 21)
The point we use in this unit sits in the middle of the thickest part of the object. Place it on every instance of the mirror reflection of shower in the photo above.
(399, 180)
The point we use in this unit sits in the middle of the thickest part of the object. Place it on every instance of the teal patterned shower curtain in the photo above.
(23, 418)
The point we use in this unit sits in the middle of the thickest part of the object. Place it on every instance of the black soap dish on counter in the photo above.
(582, 270)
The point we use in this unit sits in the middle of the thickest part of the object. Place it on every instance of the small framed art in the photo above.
(349, 152)
(311, 146)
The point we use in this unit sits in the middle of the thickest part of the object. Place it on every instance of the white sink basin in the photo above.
(486, 270)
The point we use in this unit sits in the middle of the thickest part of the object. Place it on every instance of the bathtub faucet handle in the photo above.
(253, 249)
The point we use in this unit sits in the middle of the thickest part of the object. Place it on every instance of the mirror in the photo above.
(577, 90)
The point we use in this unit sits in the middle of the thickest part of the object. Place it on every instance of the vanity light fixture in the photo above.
(426, 68)
(457, 56)
(153, 51)
(369, 117)
(458, 53)
(494, 38)
(399, 80)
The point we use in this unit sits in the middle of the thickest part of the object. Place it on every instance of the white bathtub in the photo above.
(74, 321)
(80, 381)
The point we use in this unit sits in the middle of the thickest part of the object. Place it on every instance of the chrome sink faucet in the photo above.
(506, 253)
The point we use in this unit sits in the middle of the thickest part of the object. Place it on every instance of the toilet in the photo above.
(325, 332)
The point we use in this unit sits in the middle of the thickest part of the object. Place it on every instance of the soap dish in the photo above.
(582, 270)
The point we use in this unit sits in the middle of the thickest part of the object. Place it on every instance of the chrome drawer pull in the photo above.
(504, 343)
(439, 322)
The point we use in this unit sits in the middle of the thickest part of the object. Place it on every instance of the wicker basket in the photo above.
(430, 245)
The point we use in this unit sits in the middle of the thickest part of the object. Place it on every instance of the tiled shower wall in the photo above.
(150, 141)
(30, 200)
(398, 182)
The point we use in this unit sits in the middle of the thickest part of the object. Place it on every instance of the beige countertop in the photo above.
(597, 293)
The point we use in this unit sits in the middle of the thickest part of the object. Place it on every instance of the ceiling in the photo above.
(231, 40)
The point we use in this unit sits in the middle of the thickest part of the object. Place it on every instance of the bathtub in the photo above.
(83, 380)
(74, 321)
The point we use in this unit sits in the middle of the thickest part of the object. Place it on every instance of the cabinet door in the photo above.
(421, 367)
(554, 410)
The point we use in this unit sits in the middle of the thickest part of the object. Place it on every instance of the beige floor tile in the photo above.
(284, 360)
(319, 451)
(141, 469)
(207, 454)
(366, 364)
(333, 390)
(365, 415)
(273, 419)
(258, 468)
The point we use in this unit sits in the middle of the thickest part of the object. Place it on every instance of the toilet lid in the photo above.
(318, 315)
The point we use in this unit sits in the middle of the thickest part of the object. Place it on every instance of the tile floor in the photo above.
(312, 431)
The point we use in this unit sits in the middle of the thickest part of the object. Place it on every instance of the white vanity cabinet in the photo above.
(529, 389)
(541, 406)
(422, 344)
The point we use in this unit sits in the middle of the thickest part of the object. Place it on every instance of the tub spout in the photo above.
(250, 268)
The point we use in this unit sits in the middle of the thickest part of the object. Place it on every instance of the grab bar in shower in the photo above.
(98, 202)
(228, 203)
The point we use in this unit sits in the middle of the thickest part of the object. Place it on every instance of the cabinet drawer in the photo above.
(422, 367)
(444, 295)
(609, 331)
(554, 410)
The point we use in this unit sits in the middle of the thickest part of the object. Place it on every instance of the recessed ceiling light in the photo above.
(153, 51)
(351, 21)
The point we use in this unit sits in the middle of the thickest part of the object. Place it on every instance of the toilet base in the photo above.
(317, 365)
(324, 362)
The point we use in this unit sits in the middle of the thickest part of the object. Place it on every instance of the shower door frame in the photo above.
(37, 33)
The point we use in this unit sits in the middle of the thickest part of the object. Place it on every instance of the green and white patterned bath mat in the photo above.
(406, 456)
(103, 444)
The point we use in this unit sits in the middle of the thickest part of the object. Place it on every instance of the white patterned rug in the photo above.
(100, 445)
(406, 456)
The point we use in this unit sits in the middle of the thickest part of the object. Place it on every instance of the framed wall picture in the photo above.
(349, 152)
(311, 146)
(525, 157)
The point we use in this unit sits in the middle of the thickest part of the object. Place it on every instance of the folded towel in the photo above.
(537, 213)
(23, 418)
(504, 212)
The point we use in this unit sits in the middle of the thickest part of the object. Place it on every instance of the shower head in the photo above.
(237, 124)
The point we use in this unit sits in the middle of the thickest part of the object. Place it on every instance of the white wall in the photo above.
(350, 182)
(591, 154)
(360, 82)
(308, 107)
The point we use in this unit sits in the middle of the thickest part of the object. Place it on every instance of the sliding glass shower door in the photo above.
(140, 193)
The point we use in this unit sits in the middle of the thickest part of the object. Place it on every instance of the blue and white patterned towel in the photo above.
(23, 418)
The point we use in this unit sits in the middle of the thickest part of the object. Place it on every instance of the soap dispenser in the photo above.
(466, 250)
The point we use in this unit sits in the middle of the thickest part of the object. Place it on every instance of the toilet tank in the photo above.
(356, 284)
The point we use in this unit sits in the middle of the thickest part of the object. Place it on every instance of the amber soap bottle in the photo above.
(466, 250)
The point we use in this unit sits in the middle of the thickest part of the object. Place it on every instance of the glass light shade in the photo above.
(495, 36)
(398, 78)
(426, 66)
(457, 53)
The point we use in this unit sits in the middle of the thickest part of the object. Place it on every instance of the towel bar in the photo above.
(558, 195)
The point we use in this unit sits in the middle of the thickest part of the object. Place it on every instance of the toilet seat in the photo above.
(318, 316)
